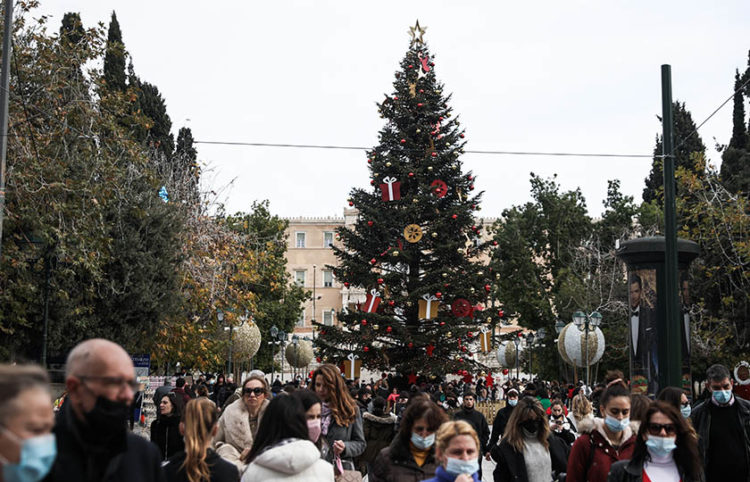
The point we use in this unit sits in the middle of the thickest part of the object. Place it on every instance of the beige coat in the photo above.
(234, 434)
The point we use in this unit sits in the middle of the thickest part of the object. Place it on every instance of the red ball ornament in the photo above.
(487, 288)
(469, 334)
(445, 285)
(411, 174)
(351, 203)
(432, 64)
(403, 141)
(442, 323)
(366, 349)
(373, 261)
(461, 136)
(411, 66)
(505, 371)
(494, 243)
(372, 182)
(470, 177)
(317, 359)
(463, 348)
(411, 345)
(500, 313)
(441, 118)
(395, 97)
(323, 332)
(419, 104)
(520, 334)
(370, 223)
(346, 283)
(438, 294)
(391, 303)
(471, 187)
(364, 322)
(369, 161)
(389, 329)
(434, 154)
(455, 216)
(380, 281)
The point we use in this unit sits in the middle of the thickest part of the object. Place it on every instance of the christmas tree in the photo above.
(415, 245)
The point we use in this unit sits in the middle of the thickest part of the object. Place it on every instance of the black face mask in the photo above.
(107, 418)
(530, 426)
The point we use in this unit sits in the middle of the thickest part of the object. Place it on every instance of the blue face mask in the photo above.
(458, 466)
(513, 402)
(722, 396)
(422, 443)
(660, 446)
(37, 456)
(616, 425)
(686, 410)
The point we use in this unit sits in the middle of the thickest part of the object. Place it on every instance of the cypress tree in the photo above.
(739, 129)
(735, 160)
(687, 142)
(114, 59)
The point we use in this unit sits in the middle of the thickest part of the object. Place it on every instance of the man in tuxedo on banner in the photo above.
(642, 330)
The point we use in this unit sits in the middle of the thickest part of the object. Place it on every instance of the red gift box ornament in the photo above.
(391, 189)
(372, 302)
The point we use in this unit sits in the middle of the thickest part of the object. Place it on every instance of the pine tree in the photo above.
(114, 59)
(735, 165)
(415, 240)
(687, 143)
(158, 135)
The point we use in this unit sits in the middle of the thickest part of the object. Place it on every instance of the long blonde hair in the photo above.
(581, 407)
(199, 418)
(342, 405)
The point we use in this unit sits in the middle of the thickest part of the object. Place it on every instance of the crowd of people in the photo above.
(325, 428)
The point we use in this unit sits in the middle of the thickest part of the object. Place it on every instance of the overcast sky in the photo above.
(550, 76)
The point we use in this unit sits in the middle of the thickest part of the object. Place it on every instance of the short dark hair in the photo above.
(634, 278)
(420, 407)
(284, 418)
(470, 394)
(308, 398)
(180, 382)
(717, 373)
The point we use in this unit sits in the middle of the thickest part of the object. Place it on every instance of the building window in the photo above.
(299, 277)
(328, 239)
(301, 319)
(328, 317)
(327, 278)
(300, 240)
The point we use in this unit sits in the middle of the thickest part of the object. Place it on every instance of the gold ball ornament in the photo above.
(434, 235)
(301, 355)
(388, 164)
(415, 200)
(448, 335)
(247, 340)
(429, 168)
(445, 275)
(395, 253)
(419, 131)
(375, 327)
(480, 273)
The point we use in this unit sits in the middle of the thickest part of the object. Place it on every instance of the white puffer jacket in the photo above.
(288, 461)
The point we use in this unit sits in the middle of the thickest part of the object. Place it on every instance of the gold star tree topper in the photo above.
(416, 33)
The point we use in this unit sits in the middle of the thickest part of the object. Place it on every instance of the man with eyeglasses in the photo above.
(93, 443)
(723, 426)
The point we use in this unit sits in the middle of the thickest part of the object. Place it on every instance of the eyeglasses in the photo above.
(656, 428)
(113, 382)
(255, 391)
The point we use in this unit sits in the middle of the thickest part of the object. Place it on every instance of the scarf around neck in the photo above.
(325, 418)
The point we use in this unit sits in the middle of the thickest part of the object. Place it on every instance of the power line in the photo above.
(360, 148)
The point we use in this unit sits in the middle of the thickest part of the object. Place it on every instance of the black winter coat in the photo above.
(221, 470)
(477, 420)
(395, 463)
(379, 432)
(511, 465)
(498, 425)
(113, 460)
(632, 471)
(165, 433)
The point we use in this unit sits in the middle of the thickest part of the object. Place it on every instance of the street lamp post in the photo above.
(517, 342)
(315, 267)
(274, 334)
(295, 342)
(530, 340)
(282, 343)
(585, 323)
(559, 325)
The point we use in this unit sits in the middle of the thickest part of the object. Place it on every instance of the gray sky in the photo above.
(550, 76)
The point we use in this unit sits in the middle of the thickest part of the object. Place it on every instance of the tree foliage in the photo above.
(419, 147)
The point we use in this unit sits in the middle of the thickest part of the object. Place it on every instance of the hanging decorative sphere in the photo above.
(572, 345)
(506, 354)
(301, 356)
(246, 340)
